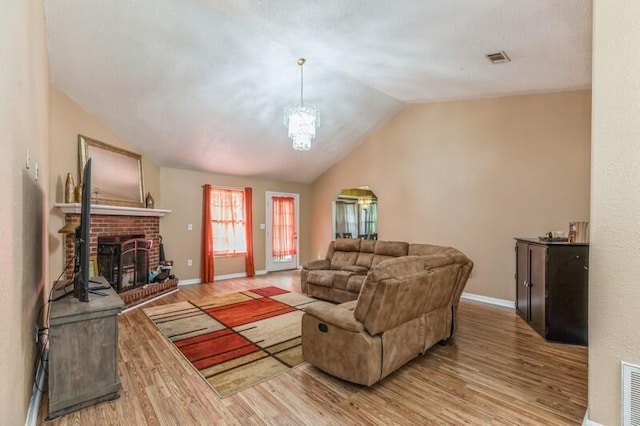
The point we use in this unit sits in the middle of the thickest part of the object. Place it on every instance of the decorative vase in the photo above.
(78, 193)
(68, 189)
(149, 201)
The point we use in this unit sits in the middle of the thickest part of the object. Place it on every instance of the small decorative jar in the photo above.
(78, 193)
(148, 202)
(68, 189)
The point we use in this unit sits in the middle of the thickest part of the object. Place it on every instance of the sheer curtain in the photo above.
(346, 218)
(368, 219)
(373, 218)
(284, 227)
(227, 212)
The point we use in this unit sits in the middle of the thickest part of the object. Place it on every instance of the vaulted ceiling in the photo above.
(201, 84)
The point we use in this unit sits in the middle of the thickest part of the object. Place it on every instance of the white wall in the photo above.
(473, 175)
(614, 283)
(24, 127)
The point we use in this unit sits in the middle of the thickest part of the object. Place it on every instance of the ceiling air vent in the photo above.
(630, 394)
(498, 58)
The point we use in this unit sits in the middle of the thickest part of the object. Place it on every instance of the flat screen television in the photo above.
(83, 240)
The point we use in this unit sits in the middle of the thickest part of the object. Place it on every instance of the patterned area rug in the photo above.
(238, 340)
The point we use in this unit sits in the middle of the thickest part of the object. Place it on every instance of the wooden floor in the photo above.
(496, 370)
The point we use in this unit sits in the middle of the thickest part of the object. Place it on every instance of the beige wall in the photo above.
(68, 120)
(472, 175)
(614, 290)
(24, 122)
(181, 192)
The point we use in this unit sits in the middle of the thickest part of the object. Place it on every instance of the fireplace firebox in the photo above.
(124, 261)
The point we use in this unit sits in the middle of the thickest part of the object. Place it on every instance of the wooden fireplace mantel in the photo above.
(74, 208)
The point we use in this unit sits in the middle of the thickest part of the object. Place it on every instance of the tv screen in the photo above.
(83, 249)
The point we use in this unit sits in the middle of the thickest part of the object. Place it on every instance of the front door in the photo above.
(282, 231)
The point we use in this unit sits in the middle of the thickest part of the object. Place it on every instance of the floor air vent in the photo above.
(630, 394)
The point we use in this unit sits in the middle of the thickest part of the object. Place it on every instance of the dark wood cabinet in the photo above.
(83, 352)
(552, 288)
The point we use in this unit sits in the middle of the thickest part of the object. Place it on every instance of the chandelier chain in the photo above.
(301, 84)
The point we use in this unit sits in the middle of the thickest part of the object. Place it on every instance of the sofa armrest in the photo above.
(314, 265)
(335, 315)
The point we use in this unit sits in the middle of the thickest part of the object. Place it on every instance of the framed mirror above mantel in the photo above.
(355, 214)
(117, 177)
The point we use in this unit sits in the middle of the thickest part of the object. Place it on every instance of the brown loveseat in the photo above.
(340, 275)
(406, 305)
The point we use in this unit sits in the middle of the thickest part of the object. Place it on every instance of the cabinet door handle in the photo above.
(525, 283)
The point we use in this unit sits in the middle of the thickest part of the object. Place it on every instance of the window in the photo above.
(228, 222)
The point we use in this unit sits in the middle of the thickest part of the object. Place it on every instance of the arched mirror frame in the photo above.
(355, 214)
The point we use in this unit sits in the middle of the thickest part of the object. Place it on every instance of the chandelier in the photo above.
(301, 120)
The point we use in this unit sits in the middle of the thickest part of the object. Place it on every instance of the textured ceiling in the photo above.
(200, 84)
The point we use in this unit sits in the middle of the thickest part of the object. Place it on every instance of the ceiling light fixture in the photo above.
(301, 120)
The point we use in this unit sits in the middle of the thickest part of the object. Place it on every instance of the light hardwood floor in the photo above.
(496, 370)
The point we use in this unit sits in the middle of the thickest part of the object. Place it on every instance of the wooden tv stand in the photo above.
(83, 351)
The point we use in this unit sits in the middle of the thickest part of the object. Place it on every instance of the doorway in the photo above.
(282, 225)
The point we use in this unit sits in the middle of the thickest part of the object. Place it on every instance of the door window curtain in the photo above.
(207, 264)
(283, 227)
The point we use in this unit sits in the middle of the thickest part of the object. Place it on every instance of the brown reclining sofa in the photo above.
(405, 306)
(340, 275)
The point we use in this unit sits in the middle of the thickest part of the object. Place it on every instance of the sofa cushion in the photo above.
(367, 246)
(391, 248)
(354, 285)
(343, 258)
(355, 268)
(340, 279)
(347, 244)
(364, 260)
(349, 306)
(379, 258)
(321, 278)
(425, 249)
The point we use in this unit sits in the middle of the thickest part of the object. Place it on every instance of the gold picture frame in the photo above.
(116, 174)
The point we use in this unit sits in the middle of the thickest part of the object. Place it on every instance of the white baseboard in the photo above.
(489, 300)
(587, 422)
(220, 277)
(38, 385)
(188, 282)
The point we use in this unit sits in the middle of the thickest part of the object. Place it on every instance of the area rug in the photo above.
(237, 340)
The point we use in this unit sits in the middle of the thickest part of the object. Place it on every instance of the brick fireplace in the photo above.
(113, 222)
(115, 226)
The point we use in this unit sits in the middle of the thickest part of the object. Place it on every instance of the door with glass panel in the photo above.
(282, 225)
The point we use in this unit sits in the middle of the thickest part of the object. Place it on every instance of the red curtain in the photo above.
(206, 275)
(248, 214)
(284, 227)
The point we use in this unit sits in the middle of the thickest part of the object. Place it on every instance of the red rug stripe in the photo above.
(269, 291)
(217, 359)
(214, 347)
(250, 311)
(207, 336)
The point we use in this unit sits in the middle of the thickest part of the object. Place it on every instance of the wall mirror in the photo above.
(355, 214)
(116, 174)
